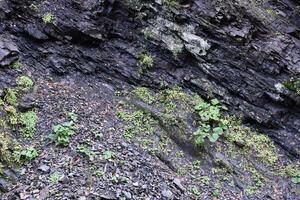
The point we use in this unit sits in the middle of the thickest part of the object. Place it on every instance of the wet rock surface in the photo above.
(240, 52)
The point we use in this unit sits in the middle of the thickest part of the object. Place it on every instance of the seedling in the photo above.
(108, 155)
(28, 154)
(48, 18)
(54, 178)
(84, 150)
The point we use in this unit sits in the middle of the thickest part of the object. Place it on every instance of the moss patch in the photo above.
(11, 97)
(24, 82)
(28, 122)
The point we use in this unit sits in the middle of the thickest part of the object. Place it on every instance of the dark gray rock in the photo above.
(4, 185)
(34, 32)
(8, 51)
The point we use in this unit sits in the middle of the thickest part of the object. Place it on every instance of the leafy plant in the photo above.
(293, 85)
(84, 150)
(108, 155)
(213, 124)
(28, 154)
(24, 82)
(73, 116)
(62, 133)
(296, 177)
(195, 191)
(16, 65)
(54, 178)
(99, 173)
(114, 179)
(143, 94)
(28, 122)
(124, 116)
(48, 18)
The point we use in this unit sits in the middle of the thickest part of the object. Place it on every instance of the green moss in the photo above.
(24, 82)
(258, 181)
(28, 122)
(55, 177)
(1, 102)
(12, 115)
(143, 94)
(48, 18)
(271, 12)
(292, 172)
(253, 144)
(293, 85)
(11, 97)
(145, 62)
(138, 122)
(170, 3)
(16, 65)
(8, 150)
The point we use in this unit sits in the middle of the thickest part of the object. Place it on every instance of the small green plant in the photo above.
(54, 178)
(16, 65)
(24, 82)
(48, 18)
(62, 133)
(28, 122)
(196, 165)
(293, 85)
(11, 97)
(204, 180)
(145, 61)
(73, 116)
(99, 173)
(86, 151)
(27, 154)
(170, 3)
(292, 172)
(114, 179)
(140, 122)
(143, 94)
(213, 124)
(195, 192)
(216, 193)
(108, 155)
(251, 142)
(97, 133)
(124, 116)
(34, 7)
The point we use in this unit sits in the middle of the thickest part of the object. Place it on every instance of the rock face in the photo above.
(8, 52)
(239, 51)
(79, 54)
